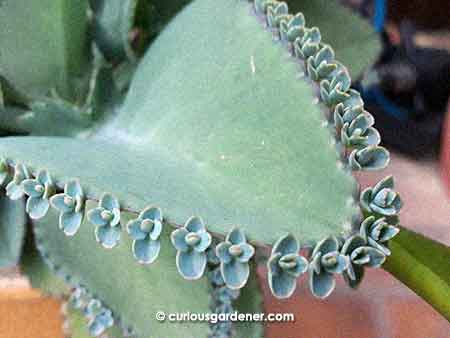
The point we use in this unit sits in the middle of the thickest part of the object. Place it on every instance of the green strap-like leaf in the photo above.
(424, 266)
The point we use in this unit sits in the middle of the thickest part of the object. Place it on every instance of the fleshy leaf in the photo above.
(70, 222)
(249, 301)
(235, 274)
(143, 291)
(42, 43)
(225, 168)
(423, 265)
(40, 275)
(37, 207)
(369, 158)
(284, 266)
(322, 284)
(191, 264)
(146, 250)
(12, 230)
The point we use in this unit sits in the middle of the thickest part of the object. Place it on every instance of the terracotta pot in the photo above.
(25, 313)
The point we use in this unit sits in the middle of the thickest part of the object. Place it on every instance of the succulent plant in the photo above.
(70, 204)
(321, 65)
(276, 12)
(382, 200)
(326, 260)
(377, 233)
(145, 231)
(359, 131)
(308, 43)
(106, 218)
(292, 27)
(199, 109)
(360, 255)
(39, 190)
(14, 189)
(100, 318)
(234, 254)
(284, 266)
(369, 159)
(191, 242)
(334, 90)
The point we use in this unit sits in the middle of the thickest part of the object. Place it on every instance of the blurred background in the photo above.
(407, 90)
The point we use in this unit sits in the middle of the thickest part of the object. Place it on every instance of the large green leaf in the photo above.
(424, 266)
(355, 42)
(133, 292)
(12, 230)
(216, 91)
(223, 129)
(42, 43)
(39, 273)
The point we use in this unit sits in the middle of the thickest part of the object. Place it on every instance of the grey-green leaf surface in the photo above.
(39, 273)
(250, 301)
(216, 124)
(231, 104)
(424, 266)
(132, 291)
(42, 43)
(76, 324)
(12, 230)
(354, 40)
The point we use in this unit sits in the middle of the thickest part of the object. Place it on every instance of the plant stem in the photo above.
(424, 266)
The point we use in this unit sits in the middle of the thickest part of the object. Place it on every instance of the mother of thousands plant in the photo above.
(186, 138)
